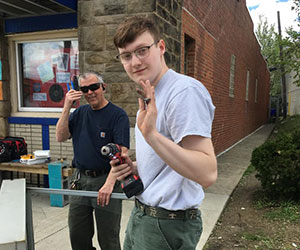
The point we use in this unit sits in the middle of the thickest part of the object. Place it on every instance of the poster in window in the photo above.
(63, 61)
(56, 93)
(48, 68)
(74, 62)
(63, 77)
(45, 72)
(39, 97)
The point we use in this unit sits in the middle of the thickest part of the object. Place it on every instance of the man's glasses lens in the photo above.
(91, 87)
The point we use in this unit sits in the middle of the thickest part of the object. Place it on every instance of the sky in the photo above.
(269, 9)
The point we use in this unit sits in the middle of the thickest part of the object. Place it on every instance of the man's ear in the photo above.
(103, 86)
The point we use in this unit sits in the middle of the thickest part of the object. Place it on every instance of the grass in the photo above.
(249, 171)
(285, 212)
(288, 125)
(269, 224)
(277, 210)
(262, 241)
(255, 237)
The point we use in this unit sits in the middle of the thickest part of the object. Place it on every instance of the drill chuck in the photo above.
(132, 185)
(111, 151)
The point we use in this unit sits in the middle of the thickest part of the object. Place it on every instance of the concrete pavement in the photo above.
(231, 167)
(50, 223)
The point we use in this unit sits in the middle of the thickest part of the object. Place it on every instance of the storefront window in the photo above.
(47, 70)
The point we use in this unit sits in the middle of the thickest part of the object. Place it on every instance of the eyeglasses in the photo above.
(140, 53)
(92, 87)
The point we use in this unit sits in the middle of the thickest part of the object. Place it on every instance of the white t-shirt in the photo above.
(184, 108)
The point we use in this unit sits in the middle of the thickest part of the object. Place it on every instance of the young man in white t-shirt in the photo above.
(174, 153)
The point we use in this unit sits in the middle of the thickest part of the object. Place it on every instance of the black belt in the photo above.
(162, 213)
(93, 173)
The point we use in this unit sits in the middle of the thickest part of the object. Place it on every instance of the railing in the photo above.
(30, 190)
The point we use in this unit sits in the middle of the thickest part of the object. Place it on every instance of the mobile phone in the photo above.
(73, 84)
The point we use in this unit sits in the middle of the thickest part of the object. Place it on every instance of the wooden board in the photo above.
(34, 169)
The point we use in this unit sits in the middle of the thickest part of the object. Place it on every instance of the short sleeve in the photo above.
(190, 112)
(121, 130)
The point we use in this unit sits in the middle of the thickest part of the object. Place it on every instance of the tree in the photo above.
(296, 8)
(269, 42)
(291, 45)
(282, 54)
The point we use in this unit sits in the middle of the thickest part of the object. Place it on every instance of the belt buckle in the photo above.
(89, 173)
(172, 215)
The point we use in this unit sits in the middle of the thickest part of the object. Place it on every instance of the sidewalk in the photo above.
(50, 223)
(231, 166)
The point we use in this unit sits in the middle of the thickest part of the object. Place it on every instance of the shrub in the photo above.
(277, 163)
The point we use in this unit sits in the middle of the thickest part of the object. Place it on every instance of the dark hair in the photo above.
(132, 27)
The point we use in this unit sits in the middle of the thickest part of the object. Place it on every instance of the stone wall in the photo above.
(97, 23)
(219, 28)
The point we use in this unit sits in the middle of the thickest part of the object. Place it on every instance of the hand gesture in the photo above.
(146, 120)
(71, 97)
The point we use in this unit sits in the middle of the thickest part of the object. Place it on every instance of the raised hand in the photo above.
(72, 96)
(146, 120)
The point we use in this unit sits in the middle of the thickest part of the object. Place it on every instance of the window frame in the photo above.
(247, 85)
(15, 96)
(189, 55)
(256, 90)
(232, 75)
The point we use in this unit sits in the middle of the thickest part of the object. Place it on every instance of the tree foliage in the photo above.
(296, 8)
(277, 161)
(269, 42)
(291, 45)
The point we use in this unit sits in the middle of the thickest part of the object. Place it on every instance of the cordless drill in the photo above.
(132, 185)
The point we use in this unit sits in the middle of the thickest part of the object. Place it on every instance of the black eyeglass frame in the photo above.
(118, 57)
(92, 87)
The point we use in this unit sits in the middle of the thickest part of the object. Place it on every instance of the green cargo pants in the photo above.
(148, 233)
(81, 221)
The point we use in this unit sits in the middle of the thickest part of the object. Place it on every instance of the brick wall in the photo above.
(60, 149)
(33, 136)
(220, 29)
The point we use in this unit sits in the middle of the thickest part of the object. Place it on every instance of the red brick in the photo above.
(222, 28)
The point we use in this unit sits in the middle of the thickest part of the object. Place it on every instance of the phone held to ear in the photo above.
(73, 84)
